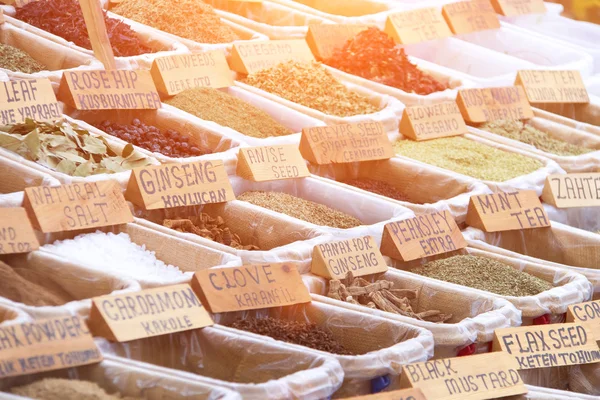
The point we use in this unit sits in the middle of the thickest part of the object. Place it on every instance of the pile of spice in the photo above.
(66, 148)
(378, 187)
(170, 142)
(468, 157)
(189, 19)
(312, 86)
(380, 295)
(297, 207)
(65, 389)
(485, 274)
(302, 333)
(373, 55)
(214, 105)
(17, 60)
(18, 285)
(64, 18)
(210, 228)
(526, 133)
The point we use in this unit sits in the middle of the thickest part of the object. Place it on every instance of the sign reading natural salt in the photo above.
(269, 163)
(586, 313)
(547, 86)
(470, 16)
(489, 104)
(16, 232)
(431, 121)
(513, 8)
(27, 99)
(415, 26)
(324, 39)
(572, 190)
(248, 57)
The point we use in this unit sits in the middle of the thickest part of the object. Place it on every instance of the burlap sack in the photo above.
(16, 177)
(585, 218)
(128, 379)
(582, 126)
(256, 369)
(584, 113)
(585, 379)
(541, 393)
(476, 314)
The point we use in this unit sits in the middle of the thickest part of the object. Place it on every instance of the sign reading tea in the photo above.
(323, 39)
(545, 346)
(572, 190)
(513, 8)
(470, 16)
(151, 312)
(422, 236)
(507, 211)
(417, 26)
(253, 56)
(588, 313)
(406, 394)
(109, 90)
(476, 377)
(346, 143)
(179, 72)
(489, 104)
(80, 205)
(177, 185)
(359, 255)
(16, 232)
(250, 287)
(27, 98)
(553, 86)
(46, 345)
(431, 121)
(269, 163)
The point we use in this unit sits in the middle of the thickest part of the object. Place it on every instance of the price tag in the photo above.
(572, 190)
(324, 39)
(545, 346)
(109, 90)
(177, 185)
(422, 236)
(406, 394)
(269, 163)
(250, 57)
(431, 121)
(250, 287)
(490, 104)
(148, 313)
(470, 16)
(27, 98)
(346, 143)
(77, 206)
(359, 255)
(476, 377)
(499, 212)
(553, 86)
(16, 232)
(588, 314)
(415, 26)
(513, 8)
(176, 73)
(46, 345)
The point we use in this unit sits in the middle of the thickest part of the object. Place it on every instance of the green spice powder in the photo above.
(17, 60)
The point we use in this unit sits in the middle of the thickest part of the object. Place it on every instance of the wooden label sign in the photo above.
(417, 26)
(572, 190)
(359, 255)
(346, 143)
(489, 104)
(16, 232)
(470, 16)
(176, 185)
(431, 121)
(513, 8)
(405, 394)
(176, 73)
(250, 287)
(323, 39)
(46, 345)
(77, 206)
(544, 346)
(269, 163)
(253, 56)
(553, 86)
(507, 211)
(477, 377)
(422, 236)
(151, 312)
(588, 314)
(27, 98)
(109, 90)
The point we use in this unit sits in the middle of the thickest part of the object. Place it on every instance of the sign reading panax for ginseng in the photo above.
(553, 86)
(359, 255)
(16, 232)
(27, 98)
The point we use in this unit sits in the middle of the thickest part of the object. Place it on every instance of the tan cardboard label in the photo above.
(27, 98)
(572, 190)
(489, 104)
(470, 16)
(513, 8)
(415, 26)
(252, 56)
(553, 86)
(269, 163)
(586, 313)
(16, 232)
(431, 121)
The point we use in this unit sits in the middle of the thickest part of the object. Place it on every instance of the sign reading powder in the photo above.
(406, 394)
(27, 98)
(150, 312)
(345, 143)
(553, 86)
(586, 313)
(80, 205)
(16, 232)
(250, 287)
(269, 163)
(46, 345)
(507, 211)
(489, 104)
(177, 185)
(572, 190)
(253, 56)
(323, 39)
(431, 121)
(513, 8)
(422, 236)
(417, 26)
(470, 16)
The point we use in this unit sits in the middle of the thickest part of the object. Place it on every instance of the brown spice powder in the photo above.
(65, 389)
(378, 187)
(18, 288)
